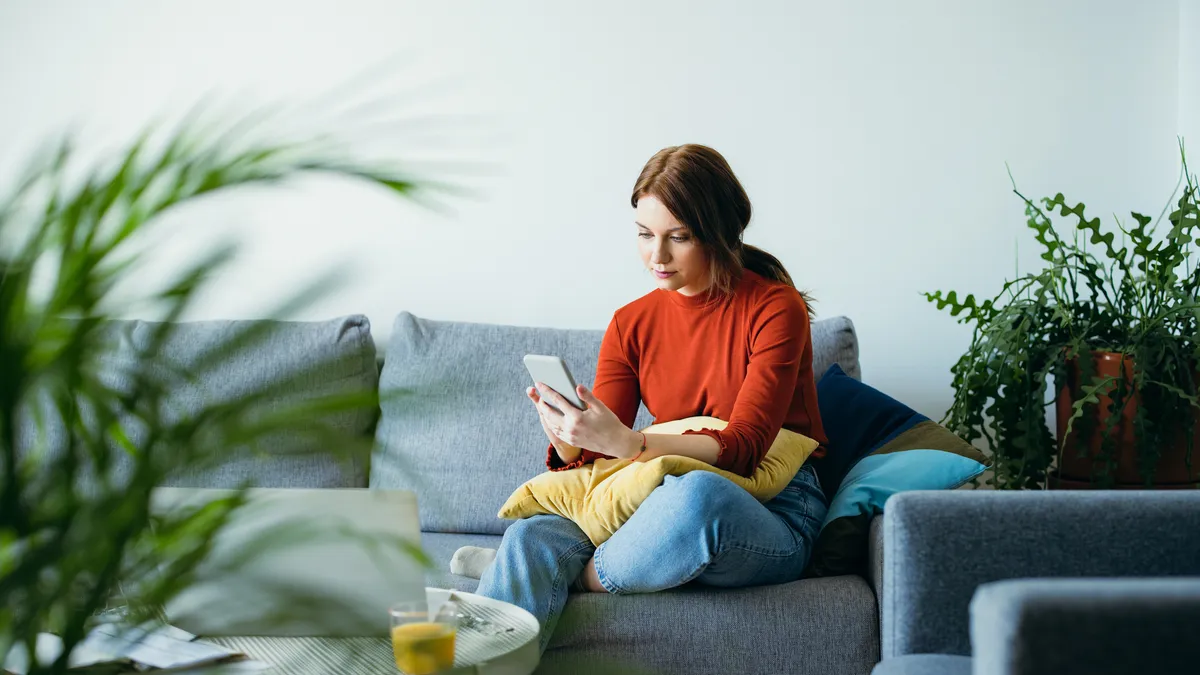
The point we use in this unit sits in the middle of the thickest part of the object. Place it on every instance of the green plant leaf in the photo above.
(76, 529)
(1091, 295)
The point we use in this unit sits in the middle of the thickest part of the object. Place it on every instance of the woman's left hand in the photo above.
(598, 429)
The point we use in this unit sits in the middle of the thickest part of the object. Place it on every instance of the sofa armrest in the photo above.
(940, 546)
(1094, 626)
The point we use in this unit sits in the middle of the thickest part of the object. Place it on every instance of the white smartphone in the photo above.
(552, 371)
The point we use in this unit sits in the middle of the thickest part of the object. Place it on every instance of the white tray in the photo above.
(494, 637)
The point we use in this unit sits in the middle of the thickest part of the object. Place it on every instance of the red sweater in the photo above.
(746, 360)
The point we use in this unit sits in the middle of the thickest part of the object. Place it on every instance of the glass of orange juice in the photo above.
(422, 640)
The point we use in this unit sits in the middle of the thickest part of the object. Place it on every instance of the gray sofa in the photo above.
(456, 428)
(467, 436)
(961, 574)
(975, 583)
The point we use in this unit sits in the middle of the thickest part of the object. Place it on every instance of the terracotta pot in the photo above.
(1056, 482)
(1076, 471)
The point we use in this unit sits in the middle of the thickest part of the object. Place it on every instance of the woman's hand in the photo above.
(598, 429)
(564, 448)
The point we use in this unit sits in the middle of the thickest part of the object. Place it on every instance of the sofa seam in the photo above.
(889, 562)
(367, 344)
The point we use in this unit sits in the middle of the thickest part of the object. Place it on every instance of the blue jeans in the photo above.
(697, 527)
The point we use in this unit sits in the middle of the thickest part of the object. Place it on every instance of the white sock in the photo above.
(471, 561)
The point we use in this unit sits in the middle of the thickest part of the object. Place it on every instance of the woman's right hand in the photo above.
(564, 448)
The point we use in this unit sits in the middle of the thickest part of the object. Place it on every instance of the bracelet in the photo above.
(634, 458)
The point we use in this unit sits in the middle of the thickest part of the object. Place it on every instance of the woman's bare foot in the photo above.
(589, 579)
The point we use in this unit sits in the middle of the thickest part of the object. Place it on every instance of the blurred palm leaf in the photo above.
(70, 530)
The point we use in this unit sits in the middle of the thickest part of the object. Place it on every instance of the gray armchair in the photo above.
(1040, 582)
(1056, 626)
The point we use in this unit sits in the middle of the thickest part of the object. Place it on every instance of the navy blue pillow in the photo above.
(858, 419)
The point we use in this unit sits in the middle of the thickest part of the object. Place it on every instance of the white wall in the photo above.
(1189, 79)
(872, 137)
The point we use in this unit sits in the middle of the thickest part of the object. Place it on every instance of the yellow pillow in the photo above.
(602, 495)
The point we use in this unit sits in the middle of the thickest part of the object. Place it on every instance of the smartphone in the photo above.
(552, 371)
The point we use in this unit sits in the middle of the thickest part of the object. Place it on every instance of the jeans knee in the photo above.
(538, 533)
(704, 494)
(524, 532)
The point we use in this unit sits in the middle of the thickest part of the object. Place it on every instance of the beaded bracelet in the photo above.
(634, 459)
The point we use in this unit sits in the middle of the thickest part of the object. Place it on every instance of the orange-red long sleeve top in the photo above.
(746, 360)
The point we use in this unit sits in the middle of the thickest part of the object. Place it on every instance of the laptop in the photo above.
(301, 562)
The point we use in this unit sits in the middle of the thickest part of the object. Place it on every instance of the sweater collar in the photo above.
(707, 298)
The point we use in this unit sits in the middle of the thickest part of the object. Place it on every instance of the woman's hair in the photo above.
(698, 187)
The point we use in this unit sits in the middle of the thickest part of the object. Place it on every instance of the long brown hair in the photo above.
(699, 188)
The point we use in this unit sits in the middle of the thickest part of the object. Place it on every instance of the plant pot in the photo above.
(1075, 471)
(1056, 482)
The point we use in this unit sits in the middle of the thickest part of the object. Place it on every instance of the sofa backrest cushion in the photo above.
(456, 426)
(303, 360)
(835, 341)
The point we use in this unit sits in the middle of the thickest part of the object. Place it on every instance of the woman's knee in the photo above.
(705, 494)
(527, 530)
(541, 532)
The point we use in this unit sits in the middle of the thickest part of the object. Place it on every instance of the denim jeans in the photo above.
(699, 527)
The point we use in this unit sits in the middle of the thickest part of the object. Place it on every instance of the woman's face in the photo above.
(667, 246)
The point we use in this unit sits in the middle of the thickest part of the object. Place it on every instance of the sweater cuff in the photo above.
(725, 456)
(555, 463)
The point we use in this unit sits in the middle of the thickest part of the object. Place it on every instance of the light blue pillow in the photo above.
(868, 485)
(842, 545)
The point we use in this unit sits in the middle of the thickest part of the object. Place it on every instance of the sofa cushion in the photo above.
(297, 360)
(835, 341)
(440, 547)
(439, 376)
(925, 664)
(808, 627)
(456, 426)
(857, 420)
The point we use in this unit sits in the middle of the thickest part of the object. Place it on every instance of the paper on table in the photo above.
(164, 647)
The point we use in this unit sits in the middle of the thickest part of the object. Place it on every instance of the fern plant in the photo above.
(1137, 297)
(70, 531)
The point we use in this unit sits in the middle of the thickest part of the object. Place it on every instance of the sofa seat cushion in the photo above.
(817, 626)
(812, 626)
(925, 664)
(440, 547)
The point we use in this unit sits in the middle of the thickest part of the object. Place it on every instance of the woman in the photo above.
(725, 334)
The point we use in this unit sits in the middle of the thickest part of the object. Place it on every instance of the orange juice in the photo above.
(424, 647)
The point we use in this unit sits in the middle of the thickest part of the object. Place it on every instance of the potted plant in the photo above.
(72, 541)
(1112, 323)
